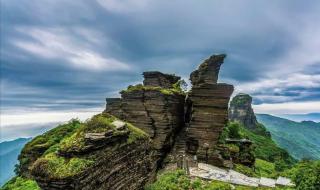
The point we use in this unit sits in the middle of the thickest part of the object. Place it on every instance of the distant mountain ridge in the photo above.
(315, 117)
(301, 139)
(9, 151)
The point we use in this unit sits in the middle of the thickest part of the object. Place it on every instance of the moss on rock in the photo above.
(167, 91)
(20, 183)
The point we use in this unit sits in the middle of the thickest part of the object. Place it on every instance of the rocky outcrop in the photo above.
(128, 167)
(155, 108)
(241, 111)
(157, 119)
(103, 153)
(208, 71)
(207, 109)
(158, 79)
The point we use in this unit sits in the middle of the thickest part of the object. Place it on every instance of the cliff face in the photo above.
(207, 109)
(156, 110)
(151, 121)
(241, 111)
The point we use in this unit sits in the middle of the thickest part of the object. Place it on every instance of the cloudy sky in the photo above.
(66, 56)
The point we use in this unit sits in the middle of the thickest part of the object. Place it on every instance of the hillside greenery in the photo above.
(45, 149)
(265, 147)
(300, 139)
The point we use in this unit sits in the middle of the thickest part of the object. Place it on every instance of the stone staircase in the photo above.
(179, 148)
(209, 172)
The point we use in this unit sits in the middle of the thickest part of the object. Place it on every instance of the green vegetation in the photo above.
(178, 180)
(265, 147)
(300, 139)
(167, 91)
(70, 138)
(52, 137)
(241, 100)
(135, 134)
(261, 168)
(98, 123)
(60, 167)
(45, 143)
(305, 174)
(19, 183)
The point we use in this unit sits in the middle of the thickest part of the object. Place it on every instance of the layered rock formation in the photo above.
(103, 153)
(156, 108)
(156, 78)
(106, 153)
(241, 111)
(207, 108)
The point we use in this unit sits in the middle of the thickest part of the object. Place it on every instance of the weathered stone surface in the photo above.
(120, 125)
(267, 182)
(241, 111)
(156, 78)
(158, 114)
(125, 168)
(282, 181)
(210, 172)
(208, 71)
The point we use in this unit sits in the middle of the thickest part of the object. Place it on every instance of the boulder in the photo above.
(120, 125)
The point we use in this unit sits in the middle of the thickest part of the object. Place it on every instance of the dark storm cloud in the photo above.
(66, 54)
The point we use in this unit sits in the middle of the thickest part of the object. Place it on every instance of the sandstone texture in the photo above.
(103, 153)
(158, 79)
(123, 147)
(154, 107)
(207, 109)
(127, 167)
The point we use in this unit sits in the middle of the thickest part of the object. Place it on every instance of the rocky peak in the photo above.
(158, 79)
(208, 71)
(207, 108)
(241, 111)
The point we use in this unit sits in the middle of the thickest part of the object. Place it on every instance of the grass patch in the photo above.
(135, 134)
(19, 183)
(45, 143)
(55, 166)
(166, 91)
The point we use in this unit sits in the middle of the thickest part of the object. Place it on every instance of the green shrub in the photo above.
(305, 174)
(59, 167)
(217, 185)
(19, 183)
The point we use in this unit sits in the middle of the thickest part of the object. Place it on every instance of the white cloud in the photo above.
(33, 117)
(58, 44)
(276, 89)
(288, 108)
